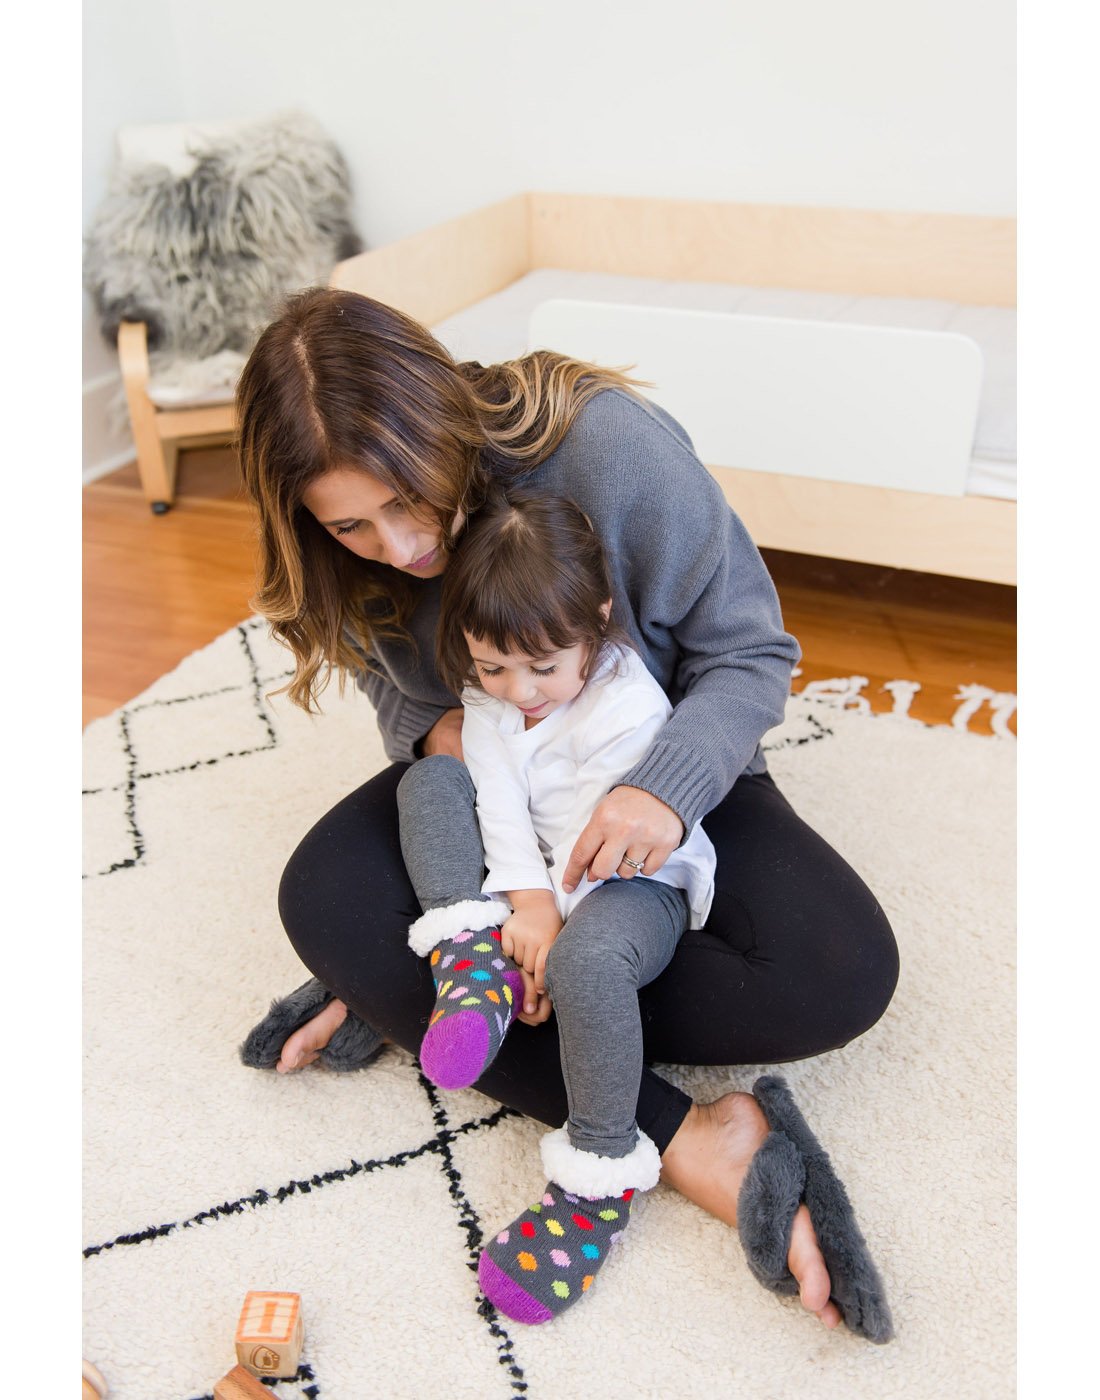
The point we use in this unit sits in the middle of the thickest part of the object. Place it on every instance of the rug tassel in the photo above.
(903, 693)
(973, 697)
(1003, 705)
(841, 691)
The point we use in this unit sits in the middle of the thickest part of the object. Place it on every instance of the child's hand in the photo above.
(536, 1005)
(529, 934)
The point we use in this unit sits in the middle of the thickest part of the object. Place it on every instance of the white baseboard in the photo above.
(94, 470)
(107, 443)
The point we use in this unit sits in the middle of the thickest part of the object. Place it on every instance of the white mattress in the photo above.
(497, 329)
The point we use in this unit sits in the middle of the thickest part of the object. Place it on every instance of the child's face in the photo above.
(536, 685)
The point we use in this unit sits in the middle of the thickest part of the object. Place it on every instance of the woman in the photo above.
(365, 448)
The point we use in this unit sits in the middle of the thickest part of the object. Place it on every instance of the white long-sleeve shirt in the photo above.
(537, 787)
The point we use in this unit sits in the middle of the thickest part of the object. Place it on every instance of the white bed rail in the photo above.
(869, 405)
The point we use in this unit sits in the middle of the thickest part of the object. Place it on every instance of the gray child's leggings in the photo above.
(616, 940)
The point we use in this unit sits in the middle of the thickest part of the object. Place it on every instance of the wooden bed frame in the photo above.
(960, 258)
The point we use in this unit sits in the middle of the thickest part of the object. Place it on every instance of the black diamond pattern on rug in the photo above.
(226, 724)
(469, 1237)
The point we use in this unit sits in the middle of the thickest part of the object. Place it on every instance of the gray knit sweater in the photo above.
(689, 587)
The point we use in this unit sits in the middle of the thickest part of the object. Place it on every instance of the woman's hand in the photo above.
(627, 823)
(527, 938)
(445, 735)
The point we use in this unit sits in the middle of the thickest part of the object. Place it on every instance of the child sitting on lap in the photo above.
(557, 709)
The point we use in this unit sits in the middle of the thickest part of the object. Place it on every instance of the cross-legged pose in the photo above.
(367, 451)
(555, 714)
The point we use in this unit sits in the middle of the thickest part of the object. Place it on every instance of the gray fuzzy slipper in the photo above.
(353, 1044)
(792, 1167)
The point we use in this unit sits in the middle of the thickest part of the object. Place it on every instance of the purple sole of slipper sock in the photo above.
(507, 1296)
(458, 1049)
(452, 1053)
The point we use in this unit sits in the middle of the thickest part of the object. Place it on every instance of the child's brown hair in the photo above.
(529, 575)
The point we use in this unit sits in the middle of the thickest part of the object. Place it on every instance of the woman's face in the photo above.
(366, 517)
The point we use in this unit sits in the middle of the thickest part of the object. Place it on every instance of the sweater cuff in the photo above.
(677, 778)
(410, 724)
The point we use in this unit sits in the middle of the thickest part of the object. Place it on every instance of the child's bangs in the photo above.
(526, 626)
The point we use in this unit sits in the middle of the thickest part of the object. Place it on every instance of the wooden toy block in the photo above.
(240, 1384)
(269, 1333)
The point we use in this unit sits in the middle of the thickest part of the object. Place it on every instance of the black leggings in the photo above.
(797, 957)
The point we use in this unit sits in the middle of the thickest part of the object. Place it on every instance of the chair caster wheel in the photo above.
(161, 507)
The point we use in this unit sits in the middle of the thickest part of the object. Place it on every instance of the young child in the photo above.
(557, 709)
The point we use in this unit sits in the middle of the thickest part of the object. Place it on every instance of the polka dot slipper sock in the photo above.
(548, 1257)
(478, 990)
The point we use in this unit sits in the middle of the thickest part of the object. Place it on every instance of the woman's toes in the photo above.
(806, 1263)
(307, 1042)
(813, 1289)
(830, 1315)
(297, 1053)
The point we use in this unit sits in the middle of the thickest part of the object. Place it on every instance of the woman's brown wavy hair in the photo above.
(341, 381)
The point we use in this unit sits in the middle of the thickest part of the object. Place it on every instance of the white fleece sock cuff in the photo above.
(590, 1174)
(467, 916)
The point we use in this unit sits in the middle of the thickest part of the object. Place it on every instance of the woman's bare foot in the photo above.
(706, 1162)
(307, 1042)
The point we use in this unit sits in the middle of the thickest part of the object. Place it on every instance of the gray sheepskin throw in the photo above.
(204, 258)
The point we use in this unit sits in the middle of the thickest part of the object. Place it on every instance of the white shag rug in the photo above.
(367, 1193)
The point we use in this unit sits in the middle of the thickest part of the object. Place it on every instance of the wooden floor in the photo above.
(158, 587)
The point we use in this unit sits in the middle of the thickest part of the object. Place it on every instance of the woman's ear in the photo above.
(605, 610)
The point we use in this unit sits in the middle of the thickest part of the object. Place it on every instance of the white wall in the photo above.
(443, 105)
(131, 73)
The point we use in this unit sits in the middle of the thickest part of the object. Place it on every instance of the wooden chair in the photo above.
(159, 433)
(148, 255)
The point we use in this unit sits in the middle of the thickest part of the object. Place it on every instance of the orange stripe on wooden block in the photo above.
(268, 1317)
